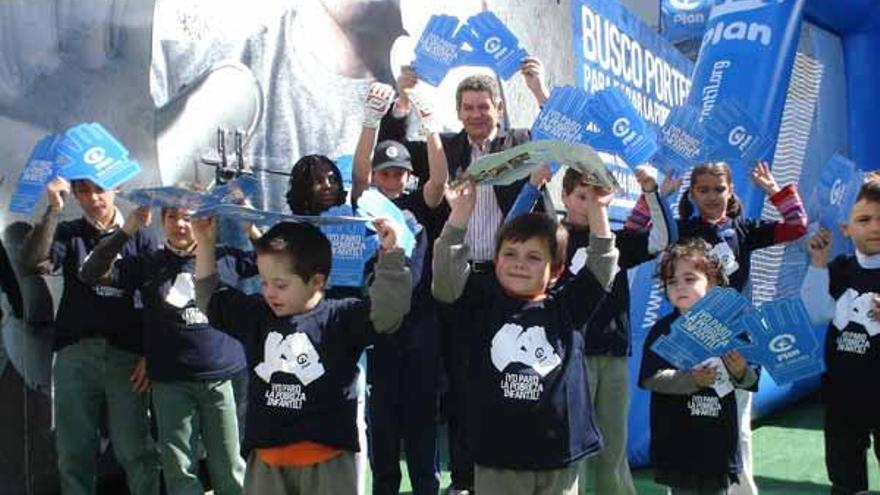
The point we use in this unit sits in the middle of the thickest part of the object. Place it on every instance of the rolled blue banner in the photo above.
(622, 130)
(836, 191)
(373, 204)
(783, 341)
(39, 170)
(165, 197)
(682, 20)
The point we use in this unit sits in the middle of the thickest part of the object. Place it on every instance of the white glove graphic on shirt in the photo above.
(513, 345)
(578, 261)
(853, 307)
(302, 358)
(725, 255)
(294, 354)
(182, 292)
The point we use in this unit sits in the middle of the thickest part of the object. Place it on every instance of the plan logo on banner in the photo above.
(683, 20)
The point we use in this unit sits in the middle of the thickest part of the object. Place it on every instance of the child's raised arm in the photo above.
(815, 288)
(376, 105)
(450, 266)
(786, 200)
(37, 250)
(391, 290)
(602, 255)
(98, 266)
(205, 232)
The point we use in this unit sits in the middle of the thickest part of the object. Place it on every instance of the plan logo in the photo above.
(753, 32)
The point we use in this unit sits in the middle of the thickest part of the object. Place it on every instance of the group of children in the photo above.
(543, 342)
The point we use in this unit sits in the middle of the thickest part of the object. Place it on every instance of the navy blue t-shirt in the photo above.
(852, 344)
(609, 331)
(696, 433)
(179, 343)
(103, 310)
(303, 379)
(733, 241)
(527, 400)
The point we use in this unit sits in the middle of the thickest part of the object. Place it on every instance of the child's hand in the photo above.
(387, 235)
(763, 178)
(599, 197)
(540, 176)
(139, 381)
(736, 364)
(461, 199)
(704, 376)
(377, 103)
(646, 175)
(139, 217)
(56, 190)
(819, 247)
(406, 81)
(205, 230)
(670, 184)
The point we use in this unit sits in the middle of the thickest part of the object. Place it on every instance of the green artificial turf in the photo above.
(788, 454)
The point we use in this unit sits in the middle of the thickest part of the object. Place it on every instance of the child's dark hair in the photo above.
(870, 190)
(699, 252)
(718, 169)
(573, 179)
(305, 246)
(300, 187)
(531, 225)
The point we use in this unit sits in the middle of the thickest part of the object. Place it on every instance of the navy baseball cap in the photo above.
(391, 154)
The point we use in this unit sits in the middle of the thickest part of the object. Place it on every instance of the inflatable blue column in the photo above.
(747, 54)
(861, 51)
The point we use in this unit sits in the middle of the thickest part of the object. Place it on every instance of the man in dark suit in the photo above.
(480, 109)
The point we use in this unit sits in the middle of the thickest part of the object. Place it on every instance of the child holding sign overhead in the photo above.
(694, 424)
(529, 414)
(845, 294)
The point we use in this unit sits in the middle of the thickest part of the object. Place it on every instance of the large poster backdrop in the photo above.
(614, 48)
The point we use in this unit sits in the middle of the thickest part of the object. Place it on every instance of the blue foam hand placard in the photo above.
(622, 130)
(676, 354)
(711, 326)
(373, 204)
(783, 341)
(836, 191)
(437, 50)
(39, 170)
(563, 116)
(734, 135)
(88, 151)
(681, 140)
(352, 247)
(492, 45)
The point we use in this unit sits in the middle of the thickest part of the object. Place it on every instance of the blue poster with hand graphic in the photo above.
(88, 151)
(621, 130)
(39, 170)
(836, 191)
(437, 49)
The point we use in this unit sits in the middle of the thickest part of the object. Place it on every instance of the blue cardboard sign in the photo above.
(491, 45)
(734, 135)
(837, 190)
(622, 130)
(682, 141)
(373, 204)
(710, 328)
(39, 170)
(437, 50)
(482, 41)
(352, 247)
(88, 151)
(563, 116)
(783, 341)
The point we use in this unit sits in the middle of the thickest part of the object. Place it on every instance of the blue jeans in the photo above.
(85, 375)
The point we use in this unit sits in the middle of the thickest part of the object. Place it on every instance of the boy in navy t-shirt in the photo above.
(98, 344)
(302, 348)
(529, 412)
(846, 294)
(189, 363)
